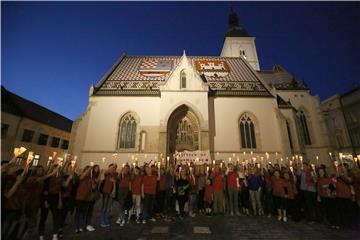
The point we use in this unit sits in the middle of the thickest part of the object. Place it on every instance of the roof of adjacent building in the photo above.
(280, 79)
(14, 104)
(224, 75)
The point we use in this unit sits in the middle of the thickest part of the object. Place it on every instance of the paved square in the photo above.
(160, 230)
(204, 230)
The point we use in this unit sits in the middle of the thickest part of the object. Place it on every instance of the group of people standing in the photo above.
(152, 192)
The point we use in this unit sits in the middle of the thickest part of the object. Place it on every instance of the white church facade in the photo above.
(149, 107)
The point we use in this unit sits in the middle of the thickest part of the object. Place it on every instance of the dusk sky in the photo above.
(53, 51)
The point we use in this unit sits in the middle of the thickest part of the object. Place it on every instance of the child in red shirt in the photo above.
(208, 196)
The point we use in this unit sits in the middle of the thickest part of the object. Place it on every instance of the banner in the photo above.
(197, 157)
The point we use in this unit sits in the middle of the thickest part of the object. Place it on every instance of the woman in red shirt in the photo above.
(95, 179)
(123, 191)
(108, 190)
(218, 186)
(279, 186)
(233, 189)
(136, 182)
(82, 196)
(344, 197)
(290, 193)
(326, 188)
(148, 192)
(67, 196)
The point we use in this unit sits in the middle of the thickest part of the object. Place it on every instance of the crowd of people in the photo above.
(153, 192)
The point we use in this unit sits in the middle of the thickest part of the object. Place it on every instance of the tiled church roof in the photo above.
(279, 78)
(134, 74)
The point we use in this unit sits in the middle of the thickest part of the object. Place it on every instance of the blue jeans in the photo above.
(149, 201)
(105, 209)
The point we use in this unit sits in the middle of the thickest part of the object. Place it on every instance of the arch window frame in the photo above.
(128, 129)
(183, 79)
(247, 129)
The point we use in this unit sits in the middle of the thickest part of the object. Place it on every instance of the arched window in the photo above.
(127, 131)
(304, 128)
(247, 132)
(182, 79)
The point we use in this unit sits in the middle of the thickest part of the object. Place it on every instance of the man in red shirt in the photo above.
(233, 192)
(148, 192)
(218, 186)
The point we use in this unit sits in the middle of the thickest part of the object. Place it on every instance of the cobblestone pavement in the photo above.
(202, 228)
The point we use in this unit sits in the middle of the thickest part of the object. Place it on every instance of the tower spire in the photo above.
(235, 30)
(233, 19)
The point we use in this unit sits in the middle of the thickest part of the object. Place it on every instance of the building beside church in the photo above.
(342, 114)
(40, 130)
(148, 107)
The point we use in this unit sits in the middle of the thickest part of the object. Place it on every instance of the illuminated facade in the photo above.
(145, 106)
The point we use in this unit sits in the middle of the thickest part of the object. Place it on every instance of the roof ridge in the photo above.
(32, 102)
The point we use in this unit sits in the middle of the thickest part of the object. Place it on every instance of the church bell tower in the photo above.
(239, 43)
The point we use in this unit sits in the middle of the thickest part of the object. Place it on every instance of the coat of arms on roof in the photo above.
(214, 68)
(155, 67)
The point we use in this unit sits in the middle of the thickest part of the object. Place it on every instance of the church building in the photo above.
(151, 107)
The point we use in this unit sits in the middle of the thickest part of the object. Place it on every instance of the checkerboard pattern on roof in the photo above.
(128, 69)
(127, 75)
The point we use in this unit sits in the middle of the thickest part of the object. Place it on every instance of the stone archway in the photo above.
(183, 131)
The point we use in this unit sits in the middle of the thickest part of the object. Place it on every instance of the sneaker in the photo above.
(60, 233)
(279, 218)
(122, 223)
(104, 225)
(77, 230)
(81, 230)
(238, 214)
(118, 221)
(90, 228)
(144, 221)
(41, 238)
(137, 220)
(55, 237)
(284, 219)
(152, 219)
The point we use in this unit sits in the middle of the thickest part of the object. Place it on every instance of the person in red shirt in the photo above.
(148, 192)
(267, 193)
(95, 179)
(344, 197)
(160, 195)
(279, 193)
(208, 196)
(14, 203)
(326, 189)
(82, 198)
(218, 185)
(34, 185)
(123, 191)
(290, 192)
(67, 196)
(135, 187)
(232, 180)
(108, 190)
